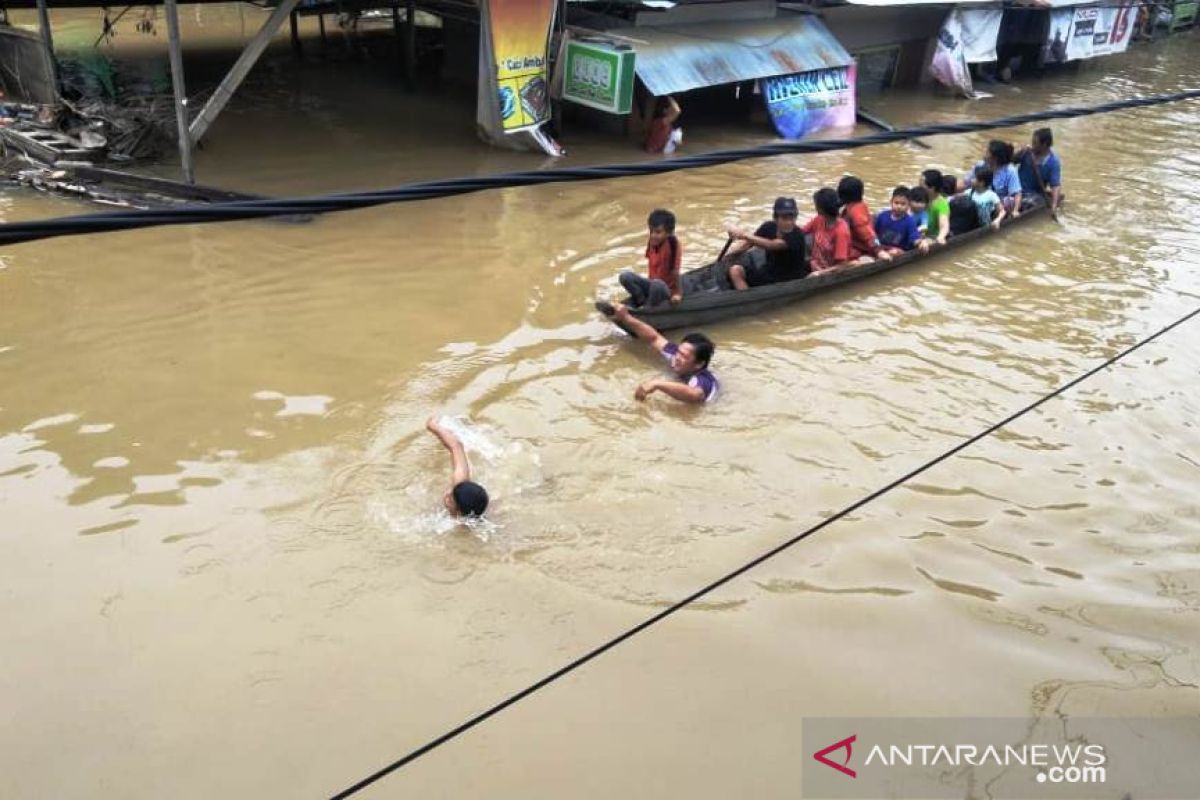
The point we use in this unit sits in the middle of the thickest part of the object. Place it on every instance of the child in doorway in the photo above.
(663, 257)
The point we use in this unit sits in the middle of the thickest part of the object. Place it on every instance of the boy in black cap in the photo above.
(778, 254)
(465, 498)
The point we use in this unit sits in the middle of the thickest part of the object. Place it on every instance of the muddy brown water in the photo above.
(224, 572)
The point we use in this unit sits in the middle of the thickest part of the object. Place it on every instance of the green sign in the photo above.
(600, 76)
(1184, 15)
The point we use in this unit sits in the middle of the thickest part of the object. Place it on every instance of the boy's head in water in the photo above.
(466, 499)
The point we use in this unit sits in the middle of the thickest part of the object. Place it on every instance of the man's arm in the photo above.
(458, 456)
(754, 240)
(673, 389)
(673, 110)
(639, 329)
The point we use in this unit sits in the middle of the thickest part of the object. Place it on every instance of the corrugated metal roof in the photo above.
(928, 2)
(679, 58)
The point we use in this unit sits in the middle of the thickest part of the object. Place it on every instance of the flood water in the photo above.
(223, 566)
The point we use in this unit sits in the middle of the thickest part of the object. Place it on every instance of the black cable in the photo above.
(15, 232)
(719, 582)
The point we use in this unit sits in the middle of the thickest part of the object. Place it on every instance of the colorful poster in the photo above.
(520, 37)
(806, 102)
(1086, 32)
(949, 64)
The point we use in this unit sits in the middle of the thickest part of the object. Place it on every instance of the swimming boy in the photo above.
(830, 233)
(896, 228)
(938, 229)
(465, 498)
(663, 257)
(780, 249)
(688, 360)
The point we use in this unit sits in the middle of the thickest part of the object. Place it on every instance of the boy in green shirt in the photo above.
(939, 211)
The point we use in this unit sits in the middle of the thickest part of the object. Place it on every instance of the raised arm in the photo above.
(458, 456)
(639, 329)
(673, 110)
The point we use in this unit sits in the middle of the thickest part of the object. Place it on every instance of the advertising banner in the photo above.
(806, 102)
(599, 76)
(1086, 32)
(514, 96)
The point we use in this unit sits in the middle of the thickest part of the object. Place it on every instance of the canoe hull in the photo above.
(707, 298)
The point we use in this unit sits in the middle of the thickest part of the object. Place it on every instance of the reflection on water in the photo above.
(222, 528)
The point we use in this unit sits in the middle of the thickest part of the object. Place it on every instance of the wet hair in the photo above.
(1044, 136)
(932, 179)
(826, 201)
(850, 189)
(949, 185)
(661, 106)
(661, 218)
(470, 498)
(703, 347)
(901, 191)
(984, 175)
(918, 194)
(1002, 152)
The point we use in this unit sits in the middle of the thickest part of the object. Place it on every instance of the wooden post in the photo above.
(297, 45)
(410, 44)
(321, 24)
(177, 83)
(47, 38)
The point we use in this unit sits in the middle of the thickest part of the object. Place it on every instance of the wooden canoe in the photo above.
(708, 296)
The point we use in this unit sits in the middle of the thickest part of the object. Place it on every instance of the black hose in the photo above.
(16, 232)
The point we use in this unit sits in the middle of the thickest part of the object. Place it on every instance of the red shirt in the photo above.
(658, 136)
(662, 266)
(831, 242)
(863, 241)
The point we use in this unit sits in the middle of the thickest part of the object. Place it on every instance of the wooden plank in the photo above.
(180, 91)
(240, 69)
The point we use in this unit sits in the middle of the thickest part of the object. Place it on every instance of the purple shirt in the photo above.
(703, 379)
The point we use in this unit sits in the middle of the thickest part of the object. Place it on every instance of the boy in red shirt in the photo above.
(663, 257)
(864, 244)
(830, 233)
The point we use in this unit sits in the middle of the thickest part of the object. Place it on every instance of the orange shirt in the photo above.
(863, 241)
(662, 265)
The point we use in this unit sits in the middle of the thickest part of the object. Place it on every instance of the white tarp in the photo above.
(949, 63)
(980, 29)
(1089, 31)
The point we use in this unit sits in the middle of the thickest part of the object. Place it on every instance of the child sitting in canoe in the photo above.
(864, 244)
(918, 206)
(663, 257)
(988, 204)
(938, 226)
(896, 228)
(830, 233)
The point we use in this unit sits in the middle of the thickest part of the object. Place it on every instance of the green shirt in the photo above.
(939, 210)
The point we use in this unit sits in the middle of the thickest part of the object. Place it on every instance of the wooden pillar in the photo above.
(297, 45)
(47, 38)
(410, 44)
(177, 84)
(321, 24)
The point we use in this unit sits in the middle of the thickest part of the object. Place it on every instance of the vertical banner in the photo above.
(1086, 32)
(514, 96)
(807, 102)
(980, 29)
(949, 64)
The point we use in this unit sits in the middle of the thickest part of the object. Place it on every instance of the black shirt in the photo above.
(784, 265)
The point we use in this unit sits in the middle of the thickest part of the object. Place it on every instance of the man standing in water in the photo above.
(465, 498)
(689, 359)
